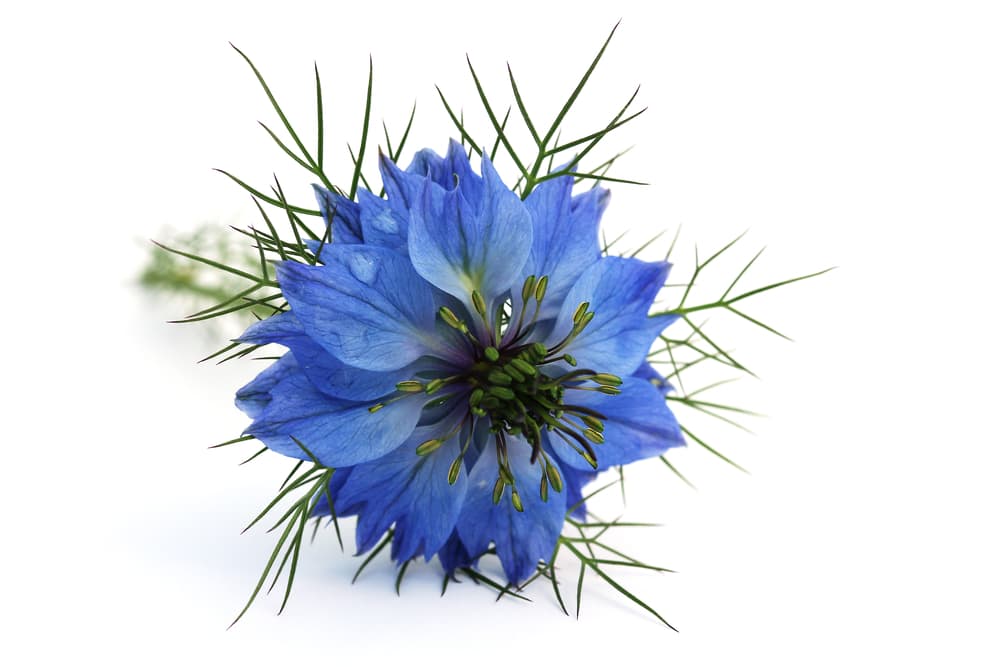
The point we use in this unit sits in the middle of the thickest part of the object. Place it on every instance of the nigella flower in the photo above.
(465, 360)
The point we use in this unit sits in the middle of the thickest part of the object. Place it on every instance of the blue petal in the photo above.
(327, 373)
(460, 245)
(638, 425)
(647, 372)
(409, 490)
(454, 555)
(521, 538)
(449, 172)
(564, 241)
(366, 306)
(339, 433)
(342, 216)
(254, 397)
(620, 292)
(381, 224)
(574, 481)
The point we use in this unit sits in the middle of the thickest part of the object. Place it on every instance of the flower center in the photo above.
(523, 388)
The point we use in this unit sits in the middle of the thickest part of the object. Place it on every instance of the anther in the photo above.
(452, 320)
(498, 491)
(540, 288)
(491, 353)
(515, 499)
(455, 469)
(479, 303)
(409, 386)
(608, 378)
(529, 286)
(554, 478)
(428, 446)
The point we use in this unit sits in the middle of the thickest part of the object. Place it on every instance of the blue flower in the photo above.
(465, 360)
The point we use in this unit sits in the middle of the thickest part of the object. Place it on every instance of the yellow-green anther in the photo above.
(570, 359)
(608, 378)
(479, 412)
(543, 490)
(476, 396)
(585, 320)
(454, 470)
(529, 286)
(593, 422)
(498, 491)
(581, 310)
(477, 301)
(539, 350)
(434, 385)
(593, 436)
(491, 353)
(540, 288)
(554, 477)
(451, 319)
(610, 391)
(409, 386)
(375, 408)
(497, 376)
(589, 459)
(524, 367)
(502, 393)
(428, 446)
(515, 499)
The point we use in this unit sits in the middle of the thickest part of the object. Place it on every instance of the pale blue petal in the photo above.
(449, 172)
(338, 432)
(564, 241)
(381, 224)
(366, 306)
(327, 373)
(341, 215)
(638, 425)
(521, 538)
(647, 372)
(620, 292)
(461, 246)
(255, 396)
(454, 555)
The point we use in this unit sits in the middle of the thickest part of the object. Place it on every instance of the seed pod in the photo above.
(497, 376)
(524, 367)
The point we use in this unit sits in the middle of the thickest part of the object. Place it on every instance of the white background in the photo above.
(857, 134)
